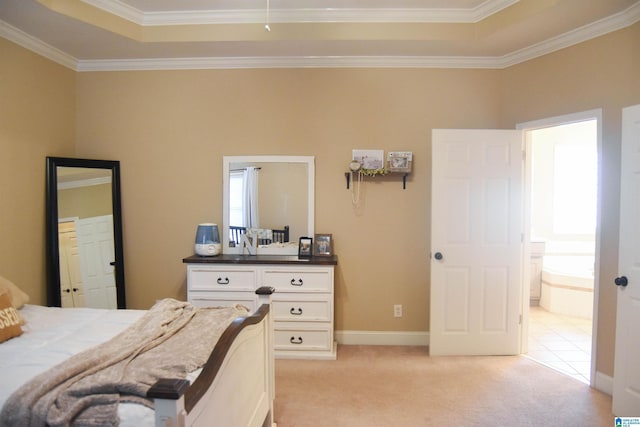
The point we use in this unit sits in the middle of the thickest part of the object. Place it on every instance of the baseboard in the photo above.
(382, 338)
(604, 383)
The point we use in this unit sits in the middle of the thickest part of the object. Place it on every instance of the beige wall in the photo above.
(37, 119)
(170, 130)
(85, 202)
(283, 193)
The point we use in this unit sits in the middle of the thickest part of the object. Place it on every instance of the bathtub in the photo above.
(567, 285)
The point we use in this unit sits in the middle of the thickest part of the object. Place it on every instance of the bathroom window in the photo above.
(564, 182)
(574, 194)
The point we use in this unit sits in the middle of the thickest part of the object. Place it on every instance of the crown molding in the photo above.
(84, 183)
(613, 23)
(36, 45)
(590, 31)
(287, 62)
(307, 15)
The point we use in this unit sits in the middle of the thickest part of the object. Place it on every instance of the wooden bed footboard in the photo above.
(236, 386)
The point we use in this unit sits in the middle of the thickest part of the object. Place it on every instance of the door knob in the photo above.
(438, 256)
(621, 281)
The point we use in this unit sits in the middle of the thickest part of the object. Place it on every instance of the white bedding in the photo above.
(48, 339)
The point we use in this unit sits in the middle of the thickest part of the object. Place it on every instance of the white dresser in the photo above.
(302, 304)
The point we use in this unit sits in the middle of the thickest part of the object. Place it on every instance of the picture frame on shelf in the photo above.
(369, 159)
(323, 245)
(305, 247)
(399, 161)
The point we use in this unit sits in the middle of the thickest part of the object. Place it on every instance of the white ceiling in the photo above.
(88, 35)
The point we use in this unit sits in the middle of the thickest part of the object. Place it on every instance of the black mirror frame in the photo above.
(53, 251)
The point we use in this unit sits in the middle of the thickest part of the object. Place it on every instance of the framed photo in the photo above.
(323, 245)
(369, 159)
(399, 161)
(305, 247)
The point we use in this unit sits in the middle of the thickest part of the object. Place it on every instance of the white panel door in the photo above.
(71, 290)
(95, 240)
(476, 247)
(626, 374)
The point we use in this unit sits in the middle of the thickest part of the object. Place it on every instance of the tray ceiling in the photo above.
(89, 35)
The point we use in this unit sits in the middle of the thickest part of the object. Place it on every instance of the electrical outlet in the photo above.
(397, 310)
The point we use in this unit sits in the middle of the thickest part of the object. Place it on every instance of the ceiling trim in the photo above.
(612, 23)
(297, 15)
(36, 45)
(288, 62)
(595, 29)
(68, 185)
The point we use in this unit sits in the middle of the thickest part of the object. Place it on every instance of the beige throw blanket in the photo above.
(171, 340)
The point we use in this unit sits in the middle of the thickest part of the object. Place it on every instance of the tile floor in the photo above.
(561, 342)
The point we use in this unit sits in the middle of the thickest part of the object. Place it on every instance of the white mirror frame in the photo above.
(227, 161)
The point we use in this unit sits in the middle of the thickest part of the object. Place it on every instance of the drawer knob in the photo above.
(293, 340)
(296, 283)
(295, 312)
(222, 281)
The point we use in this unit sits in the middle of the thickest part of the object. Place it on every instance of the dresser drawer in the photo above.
(302, 339)
(224, 299)
(299, 281)
(299, 309)
(221, 279)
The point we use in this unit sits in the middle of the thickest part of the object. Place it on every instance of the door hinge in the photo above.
(520, 320)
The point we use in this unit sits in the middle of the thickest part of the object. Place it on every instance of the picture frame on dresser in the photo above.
(323, 245)
(305, 247)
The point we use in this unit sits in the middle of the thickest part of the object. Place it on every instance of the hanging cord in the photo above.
(266, 25)
(355, 188)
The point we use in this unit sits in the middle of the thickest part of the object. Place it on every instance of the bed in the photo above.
(50, 361)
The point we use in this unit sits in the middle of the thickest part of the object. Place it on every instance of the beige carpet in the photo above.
(404, 386)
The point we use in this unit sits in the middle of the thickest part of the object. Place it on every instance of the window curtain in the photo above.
(250, 198)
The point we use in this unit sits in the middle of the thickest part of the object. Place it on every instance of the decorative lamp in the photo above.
(208, 240)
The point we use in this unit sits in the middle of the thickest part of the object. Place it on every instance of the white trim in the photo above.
(382, 338)
(84, 183)
(590, 31)
(603, 382)
(69, 219)
(564, 119)
(613, 23)
(286, 62)
(310, 15)
(36, 45)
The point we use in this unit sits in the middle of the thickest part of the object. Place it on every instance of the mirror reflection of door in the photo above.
(86, 244)
(71, 290)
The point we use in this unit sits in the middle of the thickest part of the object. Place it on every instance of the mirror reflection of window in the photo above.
(250, 198)
(236, 182)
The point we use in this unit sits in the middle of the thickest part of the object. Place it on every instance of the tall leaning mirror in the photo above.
(85, 263)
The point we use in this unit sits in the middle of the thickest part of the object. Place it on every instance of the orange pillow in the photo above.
(9, 319)
(18, 297)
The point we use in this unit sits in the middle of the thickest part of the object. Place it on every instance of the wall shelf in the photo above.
(347, 176)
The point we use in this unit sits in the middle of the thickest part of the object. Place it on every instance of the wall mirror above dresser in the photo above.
(84, 234)
(268, 198)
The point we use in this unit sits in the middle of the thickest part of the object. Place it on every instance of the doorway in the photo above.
(562, 183)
